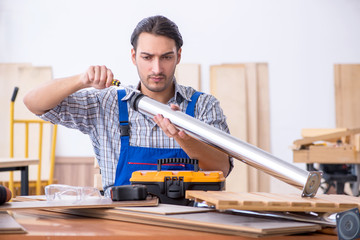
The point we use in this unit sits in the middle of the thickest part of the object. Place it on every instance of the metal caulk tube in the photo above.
(308, 182)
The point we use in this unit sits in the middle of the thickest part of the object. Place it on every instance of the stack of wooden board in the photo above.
(32, 203)
(184, 217)
(9, 225)
(259, 201)
(322, 146)
(200, 219)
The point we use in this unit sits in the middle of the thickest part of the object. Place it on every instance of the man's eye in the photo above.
(146, 57)
(167, 57)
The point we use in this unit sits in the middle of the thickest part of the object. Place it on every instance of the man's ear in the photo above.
(178, 56)
(133, 56)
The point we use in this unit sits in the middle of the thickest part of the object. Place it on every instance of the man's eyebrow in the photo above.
(168, 53)
(149, 54)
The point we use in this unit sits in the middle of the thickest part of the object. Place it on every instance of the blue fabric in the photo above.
(142, 158)
(190, 110)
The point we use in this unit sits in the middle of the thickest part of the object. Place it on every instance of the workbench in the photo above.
(19, 164)
(53, 225)
(330, 152)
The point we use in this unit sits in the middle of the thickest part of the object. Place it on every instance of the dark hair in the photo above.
(158, 25)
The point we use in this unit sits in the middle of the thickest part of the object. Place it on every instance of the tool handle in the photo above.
(16, 89)
(116, 82)
(194, 162)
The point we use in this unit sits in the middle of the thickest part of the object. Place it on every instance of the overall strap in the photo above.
(123, 114)
(190, 110)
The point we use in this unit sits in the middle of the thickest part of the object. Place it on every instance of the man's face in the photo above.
(155, 58)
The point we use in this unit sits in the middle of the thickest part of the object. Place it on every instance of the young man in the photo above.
(99, 111)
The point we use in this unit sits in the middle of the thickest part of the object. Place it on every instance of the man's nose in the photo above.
(156, 66)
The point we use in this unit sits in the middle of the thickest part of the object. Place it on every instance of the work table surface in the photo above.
(53, 225)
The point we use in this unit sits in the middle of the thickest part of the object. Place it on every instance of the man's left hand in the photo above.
(170, 129)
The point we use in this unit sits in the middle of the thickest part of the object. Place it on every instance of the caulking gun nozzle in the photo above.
(116, 82)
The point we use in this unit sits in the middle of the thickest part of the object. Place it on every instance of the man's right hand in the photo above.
(48, 95)
(98, 77)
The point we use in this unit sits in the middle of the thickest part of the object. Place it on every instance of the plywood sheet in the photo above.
(243, 92)
(260, 201)
(347, 95)
(228, 85)
(215, 222)
(9, 225)
(96, 203)
(191, 218)
(188, 74)
(166, 209)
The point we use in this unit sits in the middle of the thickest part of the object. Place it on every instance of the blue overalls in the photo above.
(142, 158)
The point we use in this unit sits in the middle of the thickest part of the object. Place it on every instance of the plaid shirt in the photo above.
(96, 113)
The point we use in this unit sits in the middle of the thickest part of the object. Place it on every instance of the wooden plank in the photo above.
(314, 132)
(347, 96)
(310, 140)
(188, 74)
(221, 77)
(275, 202)
(263, 120)
(331, 155)
(342, 154)
(271, 200)
(249, 201)
(253, 120)
(95, 203)
(198, 219)
(79, 171)
(17, 162)
(214, 222)
(9, 225)
(345, 201)
(294, 200)
(165, 209)
(249, 120)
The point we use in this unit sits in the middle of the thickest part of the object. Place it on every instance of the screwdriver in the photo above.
(116, 82)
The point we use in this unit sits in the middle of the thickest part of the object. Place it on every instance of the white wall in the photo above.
(300, 39)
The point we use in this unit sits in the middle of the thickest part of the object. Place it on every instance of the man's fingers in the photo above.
(169, 129)
(91, 74)
(97, 75)
(110, 77)
(183, 135)
(174, 107)
(103, 75)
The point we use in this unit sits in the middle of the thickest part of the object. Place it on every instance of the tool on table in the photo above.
(128, 192)
(170, 185)
(5, 194)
